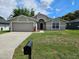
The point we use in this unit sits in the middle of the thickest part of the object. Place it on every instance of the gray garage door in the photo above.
(22, 27)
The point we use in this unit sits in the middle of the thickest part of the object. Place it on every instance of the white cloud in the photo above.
(73, 2)
(38, 7)
(30, 4)
(20, 3)
(6, 7)
(58, 10)
(42, 11)
(46, 3)
(54, 16)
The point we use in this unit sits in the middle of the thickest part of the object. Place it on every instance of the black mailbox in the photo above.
(28, 48)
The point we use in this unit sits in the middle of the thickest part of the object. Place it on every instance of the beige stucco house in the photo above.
(39, 22)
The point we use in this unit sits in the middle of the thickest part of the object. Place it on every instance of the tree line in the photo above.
(71, 16)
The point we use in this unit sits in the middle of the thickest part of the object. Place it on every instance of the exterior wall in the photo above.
(48, 25)
(62, 25)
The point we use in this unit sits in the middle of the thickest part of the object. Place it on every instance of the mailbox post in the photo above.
(28, 49)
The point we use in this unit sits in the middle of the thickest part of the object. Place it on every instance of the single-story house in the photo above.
(73, 24)
(39, 22)
(4, 25)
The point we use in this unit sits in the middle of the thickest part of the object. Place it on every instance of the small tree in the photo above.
(32, 12)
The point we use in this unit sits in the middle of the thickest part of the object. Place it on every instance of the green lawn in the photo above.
(52, 45)
(1, 32)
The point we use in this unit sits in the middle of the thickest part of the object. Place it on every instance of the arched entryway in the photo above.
(41, 24)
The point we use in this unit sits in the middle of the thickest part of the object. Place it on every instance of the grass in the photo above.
(52, 45)
(2, 32)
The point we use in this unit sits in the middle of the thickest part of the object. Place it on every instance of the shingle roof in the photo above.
(2, 19)
(40, 14)
(48, 18)
(22, 18)
(76, 20)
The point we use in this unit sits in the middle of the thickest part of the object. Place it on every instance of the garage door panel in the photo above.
(22, 27)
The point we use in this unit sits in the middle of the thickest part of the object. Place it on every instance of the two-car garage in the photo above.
(22, 26)
(22, 23)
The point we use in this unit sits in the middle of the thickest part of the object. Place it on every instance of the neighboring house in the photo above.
(73, 24)
(35, 23)
(4, 25)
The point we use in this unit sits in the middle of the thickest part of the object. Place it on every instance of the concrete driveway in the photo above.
(9, 41)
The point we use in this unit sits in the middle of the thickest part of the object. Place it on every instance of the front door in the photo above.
(41, 26)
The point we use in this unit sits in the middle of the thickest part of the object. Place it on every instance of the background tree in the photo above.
(71, 16)
(23, 11)
(32, 12)
(77, 14)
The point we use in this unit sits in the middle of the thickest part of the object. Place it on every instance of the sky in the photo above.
(51, 8)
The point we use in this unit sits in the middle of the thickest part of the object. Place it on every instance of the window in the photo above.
(55, 25)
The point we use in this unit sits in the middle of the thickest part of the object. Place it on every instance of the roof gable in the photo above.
(41, 16)
(22, 18)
